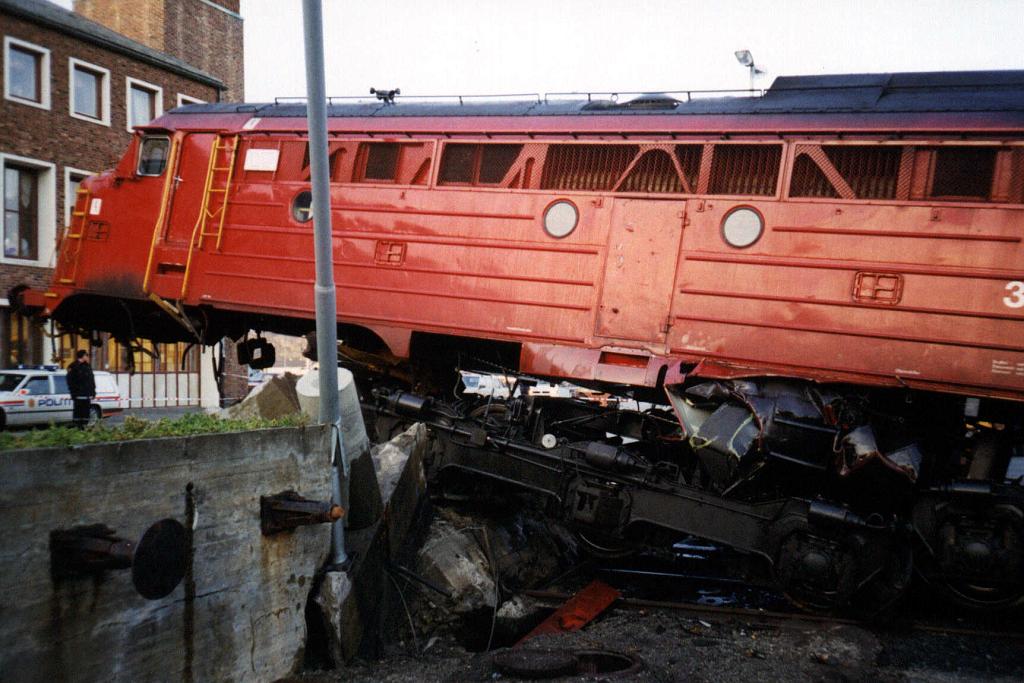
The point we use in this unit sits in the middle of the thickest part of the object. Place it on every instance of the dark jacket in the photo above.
(80, 380)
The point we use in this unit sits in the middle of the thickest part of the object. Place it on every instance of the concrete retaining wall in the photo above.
(239, 614)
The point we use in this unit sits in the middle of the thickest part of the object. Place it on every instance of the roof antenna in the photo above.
(386, 96)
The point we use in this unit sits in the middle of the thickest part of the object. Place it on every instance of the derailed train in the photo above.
(820, 288)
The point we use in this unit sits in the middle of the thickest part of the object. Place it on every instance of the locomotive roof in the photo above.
(892, 93)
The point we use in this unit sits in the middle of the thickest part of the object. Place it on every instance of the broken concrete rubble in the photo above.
(474, 563)
(353, 610)
(270, 400)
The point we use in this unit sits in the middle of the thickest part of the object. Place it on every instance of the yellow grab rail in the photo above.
(172, 163)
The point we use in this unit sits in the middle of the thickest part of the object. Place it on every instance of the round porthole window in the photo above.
(302, 206)
(560, 218)
(741, 227)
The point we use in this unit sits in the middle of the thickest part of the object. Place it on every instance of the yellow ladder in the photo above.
(75, 231)
(213, 211)
(218, 181)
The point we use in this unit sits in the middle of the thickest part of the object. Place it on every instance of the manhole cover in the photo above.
(604, 662)
(535, 664)
(540, 664)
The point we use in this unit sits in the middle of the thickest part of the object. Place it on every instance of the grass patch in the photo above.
(134, 428)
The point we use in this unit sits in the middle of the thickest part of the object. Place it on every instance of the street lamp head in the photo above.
(744, 57)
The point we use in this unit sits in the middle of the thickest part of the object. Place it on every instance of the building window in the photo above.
(187, 99)
(145, 102)
(21, 341)
(73, 178)
(90, 91)
(29, 219)
(26, 73)
(21, 213)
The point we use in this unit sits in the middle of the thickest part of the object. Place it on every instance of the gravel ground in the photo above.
(676, 647)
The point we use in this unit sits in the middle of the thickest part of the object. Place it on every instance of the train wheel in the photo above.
(491, 414)
(886, 571)
(816, 573)
(973, 555)
(829, 569)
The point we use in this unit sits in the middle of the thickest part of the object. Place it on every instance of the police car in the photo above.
(34, 395)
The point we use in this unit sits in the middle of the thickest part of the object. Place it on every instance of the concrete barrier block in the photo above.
(239, 613)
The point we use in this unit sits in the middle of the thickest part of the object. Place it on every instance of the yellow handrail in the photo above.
(172, 161)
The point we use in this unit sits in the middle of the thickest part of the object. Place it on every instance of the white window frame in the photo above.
(44, 72)
(156, 89)
(184, 99)
(46, 240)
(104, 75)
(69, 200)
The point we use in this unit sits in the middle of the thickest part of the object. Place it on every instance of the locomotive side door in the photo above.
(189, 182)
(643, 252)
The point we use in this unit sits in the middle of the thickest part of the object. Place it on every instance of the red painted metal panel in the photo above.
(578, 611)
(187, 192)
(640, 268)
(475, 261)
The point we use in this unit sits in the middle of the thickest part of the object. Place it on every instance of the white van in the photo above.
(34, 395)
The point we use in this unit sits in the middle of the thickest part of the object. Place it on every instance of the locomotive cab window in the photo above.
(153, 156)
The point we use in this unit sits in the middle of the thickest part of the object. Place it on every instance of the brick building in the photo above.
(72, 91)
(203, 33)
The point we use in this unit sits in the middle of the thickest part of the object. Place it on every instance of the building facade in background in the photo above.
(204, 33)
(73, 90)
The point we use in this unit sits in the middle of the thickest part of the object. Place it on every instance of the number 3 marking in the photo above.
(1016, 298)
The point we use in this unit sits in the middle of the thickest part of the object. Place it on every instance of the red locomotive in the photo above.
(826, 281)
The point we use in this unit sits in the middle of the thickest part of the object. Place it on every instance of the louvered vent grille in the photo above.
(585, 167)
(689, 159)
(495, 161)
(871, 172)
(963, 172)
(745, 169)
(809, 181)
(654, 172)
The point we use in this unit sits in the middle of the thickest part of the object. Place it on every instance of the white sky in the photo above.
(527, 46)
(447, 47)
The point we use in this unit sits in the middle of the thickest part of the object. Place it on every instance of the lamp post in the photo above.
(745, 58)
(324, 292)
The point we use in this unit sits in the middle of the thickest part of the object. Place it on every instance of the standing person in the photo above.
(82, 387)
